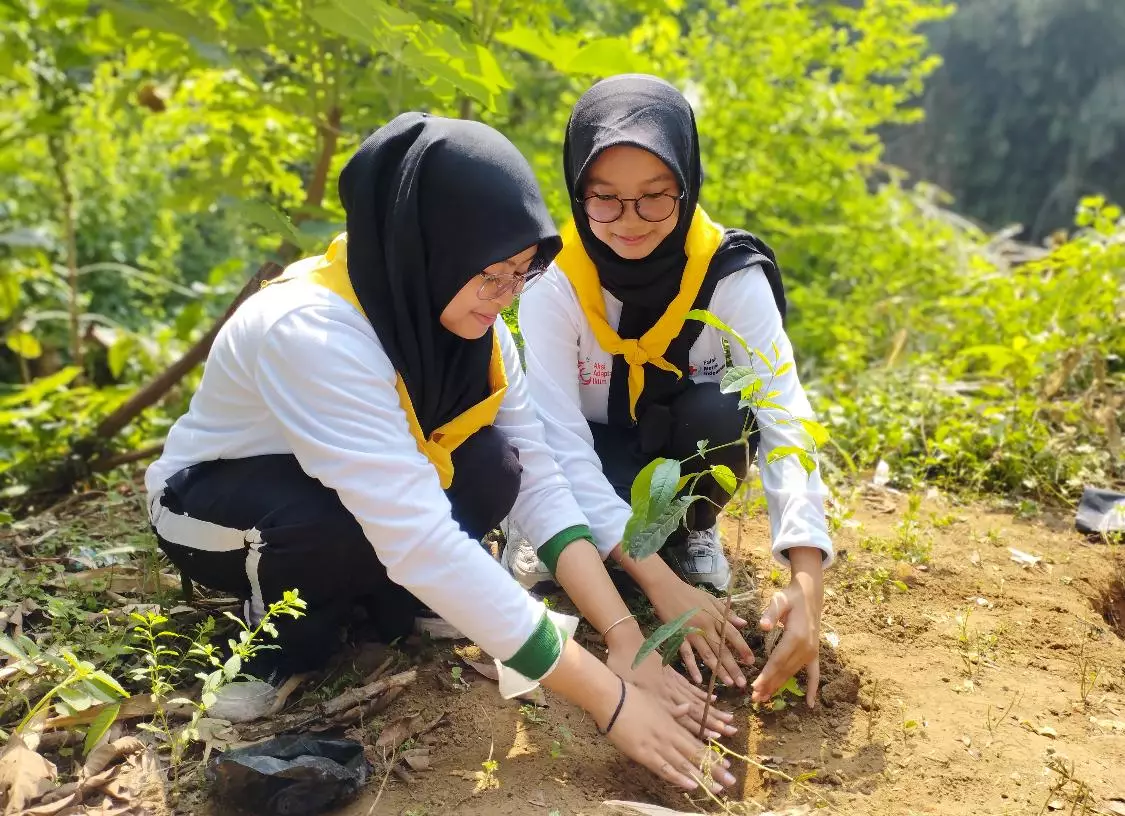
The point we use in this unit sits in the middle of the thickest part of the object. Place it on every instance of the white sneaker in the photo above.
(701, 559)
(521, 560)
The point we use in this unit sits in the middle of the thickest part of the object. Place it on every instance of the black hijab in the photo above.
(646, 112)
(430, 203)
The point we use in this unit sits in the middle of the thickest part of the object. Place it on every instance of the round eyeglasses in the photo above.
(653, 207)
(495, 287)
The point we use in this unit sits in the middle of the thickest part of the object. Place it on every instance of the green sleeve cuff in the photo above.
(549, 553)
(540, 652)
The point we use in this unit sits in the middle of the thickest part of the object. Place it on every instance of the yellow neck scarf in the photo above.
(330, 270)
(703, 239)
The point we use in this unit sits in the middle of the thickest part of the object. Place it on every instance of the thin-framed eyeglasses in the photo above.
(653, 207)
(496, 286)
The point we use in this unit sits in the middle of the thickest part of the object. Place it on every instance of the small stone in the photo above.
(843, 730)
(837, 753)
(945, 679)
(791, 722)
(1015, 777)
(868, 704)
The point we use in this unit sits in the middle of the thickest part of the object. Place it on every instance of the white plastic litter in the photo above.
(882, 474)
(243, 701)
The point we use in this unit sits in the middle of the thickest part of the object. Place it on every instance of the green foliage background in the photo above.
(180, 145)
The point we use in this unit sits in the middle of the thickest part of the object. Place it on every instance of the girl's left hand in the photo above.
(797, 608)
(674, 598)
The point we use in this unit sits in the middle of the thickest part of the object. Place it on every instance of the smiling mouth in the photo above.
(632, 239)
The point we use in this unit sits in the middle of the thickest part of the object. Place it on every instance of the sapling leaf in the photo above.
(807, 462)
(671, 647)
(704, 316)
(639, 500)
(232, 667)
(701, 446)
(765, 361)
(99, 726)
(663, 487)
(815, 430)
(725, 477)
(653, 536)
(782, 451)
(737, 378)
(654, 641)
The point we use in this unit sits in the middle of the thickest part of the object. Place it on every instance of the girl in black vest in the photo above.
(620, 377)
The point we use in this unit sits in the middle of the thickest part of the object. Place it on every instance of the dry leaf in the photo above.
(398, 731)
(487, 670)
(1114, 806)
(418, 759)
(105, 755)
(24, 775)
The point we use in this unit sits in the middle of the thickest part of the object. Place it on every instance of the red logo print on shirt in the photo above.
(598, 376)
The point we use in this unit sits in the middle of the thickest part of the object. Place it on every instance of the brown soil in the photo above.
(931, 712)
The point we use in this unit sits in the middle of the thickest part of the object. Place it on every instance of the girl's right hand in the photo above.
(648, 732)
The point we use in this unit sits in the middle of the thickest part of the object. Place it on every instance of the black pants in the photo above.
(311, 543)
(674, 431)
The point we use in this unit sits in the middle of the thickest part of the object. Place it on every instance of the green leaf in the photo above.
(273, 221)
(738, 378)
(100, 725)
(232, 667)
(605, 57)
(24, 344)
(654, 535)
(662, 634)
(783, 451)
(725, 477)
(639, 496)
(11, 648)
(663, 486)
(709, 318)
(815, 430)
(78, 699)
(106, 680)
(119, 354)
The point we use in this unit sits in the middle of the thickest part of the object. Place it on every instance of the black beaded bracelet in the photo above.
(617, 711)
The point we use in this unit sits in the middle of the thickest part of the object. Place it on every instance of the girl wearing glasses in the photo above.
(363, 421)
(620, 377)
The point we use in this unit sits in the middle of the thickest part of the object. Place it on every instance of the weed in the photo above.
(994, 725)
(910, 543)
(531, 714)
(1075, 791)
(456, 674)
(944, 520)
(487, 779)
(878, 583)
(163, 664)
(558, 746)
(1088, 671)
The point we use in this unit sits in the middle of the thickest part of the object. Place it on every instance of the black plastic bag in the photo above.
(290, 775)
(1100, 511)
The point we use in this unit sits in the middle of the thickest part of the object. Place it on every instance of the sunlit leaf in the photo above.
(99, 726)
(654, 641)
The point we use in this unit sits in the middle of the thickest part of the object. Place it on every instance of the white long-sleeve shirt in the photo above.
(569, 375)
(299, 370)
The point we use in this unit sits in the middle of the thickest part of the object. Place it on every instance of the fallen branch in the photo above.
(356, 695)
(336, 709)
